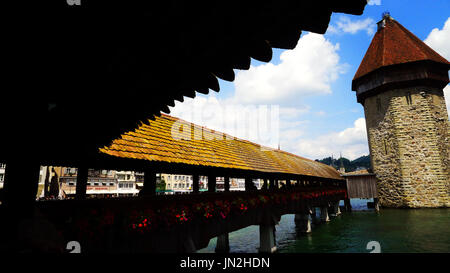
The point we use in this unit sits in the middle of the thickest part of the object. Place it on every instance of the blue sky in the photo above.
(309, 88)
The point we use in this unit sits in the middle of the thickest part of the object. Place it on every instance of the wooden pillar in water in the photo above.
(303, 222)
(195, 183)
(347, 204)
(82, 179)
(223, 243)
(334, 209)
(324, 214)
(376, 203)
(211, 183)
(267, 242)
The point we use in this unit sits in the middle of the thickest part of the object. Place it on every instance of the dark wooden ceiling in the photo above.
(76, 77)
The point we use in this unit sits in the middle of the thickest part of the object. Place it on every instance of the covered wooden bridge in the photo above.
(78, 77)
(186, 223)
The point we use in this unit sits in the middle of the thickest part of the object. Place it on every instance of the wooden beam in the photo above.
(288, 182)
(226, 183)
(265, 185)
(211, 183)
(82, 178)
(249, 186)
(195, 183)
(20, 185)
(271, 184)
(149, 183)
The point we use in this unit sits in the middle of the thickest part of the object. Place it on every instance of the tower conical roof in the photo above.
(394, 44)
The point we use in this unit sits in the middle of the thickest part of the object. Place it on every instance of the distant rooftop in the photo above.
(360, 172)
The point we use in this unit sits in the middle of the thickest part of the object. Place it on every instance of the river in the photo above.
(396, 231)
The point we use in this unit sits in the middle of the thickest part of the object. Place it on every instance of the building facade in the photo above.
(400, 84)
(2, 174)
(176, 183)
(101, 183)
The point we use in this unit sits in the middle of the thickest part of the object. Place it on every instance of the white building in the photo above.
(126, 183)
(2, 174)
(179, 183)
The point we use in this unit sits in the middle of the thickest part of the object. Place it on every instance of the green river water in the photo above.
(396, 231)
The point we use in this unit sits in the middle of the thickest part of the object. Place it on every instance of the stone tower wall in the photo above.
(409, 141)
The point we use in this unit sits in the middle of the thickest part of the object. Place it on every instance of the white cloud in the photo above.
(308, 69)
(345, 24)
(257, 123)
(374, 2)
(294, 112)
(439, 40)
(351, 142)
(447, 98)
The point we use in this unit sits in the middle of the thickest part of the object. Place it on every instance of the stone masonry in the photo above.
(409, 140)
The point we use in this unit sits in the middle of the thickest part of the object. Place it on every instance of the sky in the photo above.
(302, 100)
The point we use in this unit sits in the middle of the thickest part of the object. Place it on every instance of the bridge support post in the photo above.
(347, 204)
(82, 178)
(314, 217)
(212, 183)
(376, 204)
(303, 222)
(223, 243)
(267, 243)
(226, 184)
(324, 214)
(149, 183)
(195, 183)
(334, 209)
(189, 246)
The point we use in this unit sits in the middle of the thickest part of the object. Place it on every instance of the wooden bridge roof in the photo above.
(77, 77)
(172, 140)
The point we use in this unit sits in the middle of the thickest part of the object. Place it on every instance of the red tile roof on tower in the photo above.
(394, 44)
(164, 141)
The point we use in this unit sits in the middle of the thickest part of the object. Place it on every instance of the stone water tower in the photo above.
(400, 83)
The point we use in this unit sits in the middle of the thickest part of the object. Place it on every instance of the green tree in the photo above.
(161, 186)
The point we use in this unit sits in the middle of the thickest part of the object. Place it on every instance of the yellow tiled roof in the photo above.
(171, 139)
(360, 172)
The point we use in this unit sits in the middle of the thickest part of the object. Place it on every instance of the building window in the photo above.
(408, 98)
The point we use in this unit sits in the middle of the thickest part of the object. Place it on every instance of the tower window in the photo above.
(408, 98)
